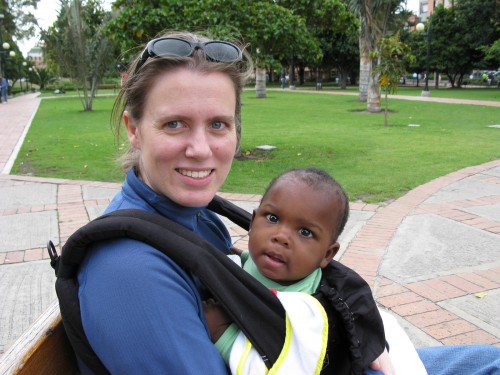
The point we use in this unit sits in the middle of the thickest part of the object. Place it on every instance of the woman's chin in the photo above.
(195, 199)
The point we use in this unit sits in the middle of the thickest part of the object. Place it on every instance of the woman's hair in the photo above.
(318, 179)
(135, 89)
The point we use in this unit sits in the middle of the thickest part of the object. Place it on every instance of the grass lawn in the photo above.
(65, 142)
(373, 162)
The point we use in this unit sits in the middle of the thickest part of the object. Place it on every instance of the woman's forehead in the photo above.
(192, 89)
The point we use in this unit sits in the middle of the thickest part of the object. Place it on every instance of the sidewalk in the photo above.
(432, 257)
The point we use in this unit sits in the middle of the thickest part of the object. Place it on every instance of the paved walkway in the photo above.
(432, 257)
(490, 103)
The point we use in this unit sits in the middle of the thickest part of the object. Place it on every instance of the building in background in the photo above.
(426, 7)
(36, 55)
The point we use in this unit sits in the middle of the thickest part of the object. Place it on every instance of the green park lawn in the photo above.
(374, 163)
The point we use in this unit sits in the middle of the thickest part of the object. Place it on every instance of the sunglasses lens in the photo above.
(176, 47)
(215, 50)
(223, 52)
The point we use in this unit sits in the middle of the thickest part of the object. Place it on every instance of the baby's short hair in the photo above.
(318, 179)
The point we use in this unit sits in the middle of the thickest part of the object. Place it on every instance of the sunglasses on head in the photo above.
(215, 50)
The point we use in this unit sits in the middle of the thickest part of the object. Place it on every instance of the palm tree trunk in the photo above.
(260, 83)
(364, 70)
(373, 100)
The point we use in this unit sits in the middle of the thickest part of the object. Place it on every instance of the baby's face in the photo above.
(293, 231)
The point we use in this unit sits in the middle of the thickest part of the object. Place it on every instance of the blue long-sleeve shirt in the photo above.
(140, 311)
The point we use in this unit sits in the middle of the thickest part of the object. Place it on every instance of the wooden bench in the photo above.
(108, 86)
(43, 349)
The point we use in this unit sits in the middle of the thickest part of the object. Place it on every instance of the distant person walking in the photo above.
(490, 78)
(4, 87)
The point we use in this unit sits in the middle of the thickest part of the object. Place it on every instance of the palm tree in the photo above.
(374, 17)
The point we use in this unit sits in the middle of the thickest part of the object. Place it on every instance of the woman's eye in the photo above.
(218, 125)
(173, 124)
(272, 218)
(305, 232)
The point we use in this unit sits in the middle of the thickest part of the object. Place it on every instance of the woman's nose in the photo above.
(198, 145)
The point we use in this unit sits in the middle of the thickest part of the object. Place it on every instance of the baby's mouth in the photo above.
(275, 258)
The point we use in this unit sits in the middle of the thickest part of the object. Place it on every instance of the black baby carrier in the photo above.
(356, 334)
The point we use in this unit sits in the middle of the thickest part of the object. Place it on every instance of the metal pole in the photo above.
(426, 88)
(2, 62)
(20, 77)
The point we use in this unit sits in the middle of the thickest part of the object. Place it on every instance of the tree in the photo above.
(279, 35)
(492, 54)
(339, 44)
(417, 42)
(41, 77)
(266, 26)
(12, 63)
(76, 41)
(18, 21)
(480, 19)
(392, 55)
(374, 16)
(330, 23)
(461, 36)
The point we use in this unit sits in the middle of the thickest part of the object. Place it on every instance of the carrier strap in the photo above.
(250, 305)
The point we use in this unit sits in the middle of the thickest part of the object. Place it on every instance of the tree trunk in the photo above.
(451, 79)
(373, 93)
(364, 70)
(386, 109)
(260, 83)
(343, 80)
(343, 74)
(301, 74)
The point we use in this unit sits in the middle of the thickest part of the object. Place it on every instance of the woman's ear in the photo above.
(133, 132)
(329, 254)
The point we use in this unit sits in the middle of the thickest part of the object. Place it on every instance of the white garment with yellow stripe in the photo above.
(305, 342)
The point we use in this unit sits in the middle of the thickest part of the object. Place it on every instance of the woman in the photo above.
(141, 312)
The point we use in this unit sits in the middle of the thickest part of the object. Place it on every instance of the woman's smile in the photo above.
(195, 174)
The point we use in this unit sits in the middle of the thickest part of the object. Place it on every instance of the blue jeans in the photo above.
(4, 94)
(461, 360)
(458, 360)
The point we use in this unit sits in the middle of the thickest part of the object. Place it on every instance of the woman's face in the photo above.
(187, 135)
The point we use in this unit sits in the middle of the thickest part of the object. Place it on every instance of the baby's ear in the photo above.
(329, 254)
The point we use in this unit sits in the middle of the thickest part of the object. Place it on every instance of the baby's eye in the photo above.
(305, 232)
(218, 125)
(272, 218)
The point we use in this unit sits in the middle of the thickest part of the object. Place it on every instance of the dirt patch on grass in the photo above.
(253, 155)
(25, 168)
